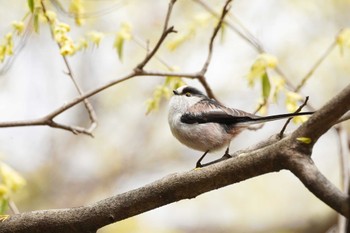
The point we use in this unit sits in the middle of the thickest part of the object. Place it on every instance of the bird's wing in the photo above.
(210, 111)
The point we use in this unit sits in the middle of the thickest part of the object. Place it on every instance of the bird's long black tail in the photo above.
(245, 121)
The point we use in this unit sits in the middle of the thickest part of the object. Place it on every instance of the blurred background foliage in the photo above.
(104, 40)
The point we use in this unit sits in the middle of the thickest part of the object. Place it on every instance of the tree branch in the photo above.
(304, 168)
(289, 119)
(162, 192)
(322, 120)
(48, 120)
(344, 157)
(88, 106)
(287, 153)
(201, 74)
(179, 186)
(165, 33)
(247, 36)
(270, 156)
(316, 65)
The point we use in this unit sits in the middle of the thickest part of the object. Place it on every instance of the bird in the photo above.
(205, 125)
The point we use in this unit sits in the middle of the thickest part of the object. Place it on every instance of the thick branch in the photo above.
(304, 168)
(285, 154)
(322, 120)
(172, 188)
(162, 192)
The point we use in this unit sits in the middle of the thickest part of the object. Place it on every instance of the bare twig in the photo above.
(166, 30)
(48, 120)
(145, 46)
(323, 119)
(287, 153)
(201, 74)
(271, 140)
(246, 35)
(305, 169)
(255, 43)
(260, 106)
(252, 41)
(344, 118)
(344, 155)
(13, 207)
(18, 47)
(225, 10)
(315, 66)
(139, 67)
(91, 14)
(289, 119)
(88, 106)
(273, 157)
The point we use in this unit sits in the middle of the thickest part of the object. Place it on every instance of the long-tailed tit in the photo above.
(204, 124)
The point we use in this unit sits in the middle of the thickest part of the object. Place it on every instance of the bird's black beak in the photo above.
(176, 92)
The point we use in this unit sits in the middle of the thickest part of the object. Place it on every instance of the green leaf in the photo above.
(3, 205)
(36, 22)
(119, 46)
(304, 140)
(266, 86)
(31, 5)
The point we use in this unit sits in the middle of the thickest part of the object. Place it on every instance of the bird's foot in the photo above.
(226, 155)
(199, 164)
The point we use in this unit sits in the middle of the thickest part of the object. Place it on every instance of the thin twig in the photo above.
(13, 207)
(19, 46)
(47, 119)
(289, 119)
(344, 156)
(140, 66)
(145, 46)
(93, 14)
(250, 39)
(225, 10)
(88, 106)
(345, 117)
(315, 66)
(201, 74)
(166, 30)
(271, 140)
(256, 45)
(138, 71)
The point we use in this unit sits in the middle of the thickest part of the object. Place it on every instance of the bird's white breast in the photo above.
(202, 137)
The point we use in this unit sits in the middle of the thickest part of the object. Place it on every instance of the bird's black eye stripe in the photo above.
(191, 90)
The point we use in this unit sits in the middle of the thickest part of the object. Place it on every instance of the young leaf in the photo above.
(31, 5)
(3, 205)
(118, 44)
(266, 86)
(343, 39)
(304, 140)
(36, 22)
(123, 34)
(4, 217)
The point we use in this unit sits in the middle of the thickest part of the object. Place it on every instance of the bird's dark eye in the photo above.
(188, 94)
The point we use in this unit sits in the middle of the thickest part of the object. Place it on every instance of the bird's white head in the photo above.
(184, 97)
